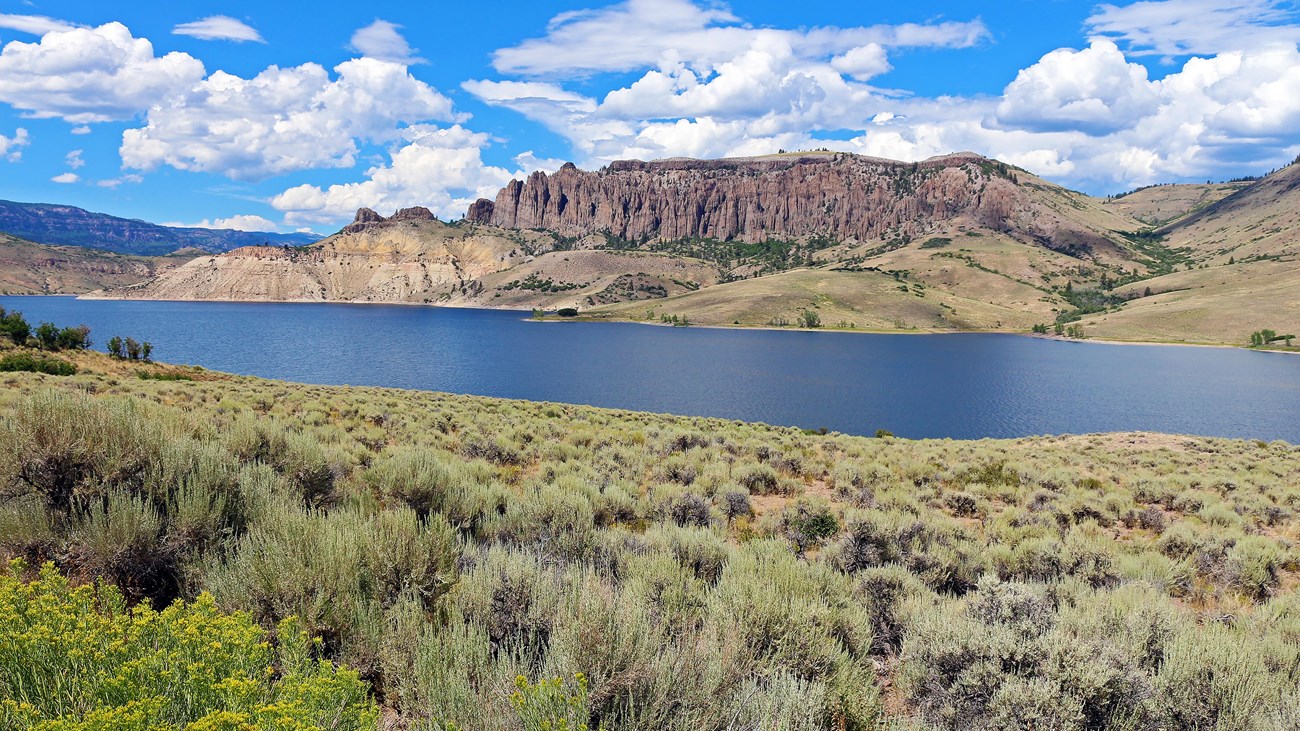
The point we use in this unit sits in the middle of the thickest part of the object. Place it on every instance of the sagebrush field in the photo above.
(490, 564)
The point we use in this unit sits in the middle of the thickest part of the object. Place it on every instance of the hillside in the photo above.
(29, 268)
(483, 562)
(1261, 220)
(1158, 205)
(71, 226)
(1241, 271)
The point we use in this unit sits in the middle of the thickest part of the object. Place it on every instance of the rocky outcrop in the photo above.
(367, 218)
(839, 196)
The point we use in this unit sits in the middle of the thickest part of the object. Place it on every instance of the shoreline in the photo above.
(90, 296)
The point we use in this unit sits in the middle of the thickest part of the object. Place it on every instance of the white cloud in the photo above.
(1093, 90)
(863, 62)
(1202, 27)
(219, 28)
(66, 178)
(441, 169)
(81, 130)
(247, 222)
(665, 33)
(381, 40)
(37, 25)
(529, 162)
(282, 120)
(705, 84)
(123, 179)
(11, 147)
(91, 74)
(74, 159)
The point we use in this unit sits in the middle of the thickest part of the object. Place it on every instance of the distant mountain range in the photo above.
(52, 224)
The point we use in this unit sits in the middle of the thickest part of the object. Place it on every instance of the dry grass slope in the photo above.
(30, 268)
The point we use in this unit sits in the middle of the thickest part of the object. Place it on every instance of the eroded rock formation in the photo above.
(840, 196)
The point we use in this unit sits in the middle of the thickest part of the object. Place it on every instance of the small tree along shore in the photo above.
(1261, 338)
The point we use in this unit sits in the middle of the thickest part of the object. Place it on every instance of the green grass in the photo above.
(455, 551)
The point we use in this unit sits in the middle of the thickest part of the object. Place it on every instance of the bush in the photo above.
(36, 364)
(567, 312)
(14, 326)
(77, 659)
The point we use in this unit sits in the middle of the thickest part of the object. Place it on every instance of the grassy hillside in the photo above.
(29, 268)
(1158, 205)
(1219, 304)
(673, 573)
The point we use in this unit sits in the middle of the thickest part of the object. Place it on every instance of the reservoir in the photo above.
(962, 386)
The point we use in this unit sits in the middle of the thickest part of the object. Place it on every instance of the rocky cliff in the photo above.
(835, 196)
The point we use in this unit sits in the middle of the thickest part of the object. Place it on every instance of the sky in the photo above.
(291, 115)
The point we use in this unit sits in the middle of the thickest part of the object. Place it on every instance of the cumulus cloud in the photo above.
(74, 159)
(707, 84)
(665, 33)
(442, 169)
(282, 120)
(37, 25)
(11, 147)
(219, 28)
(1203, 27)
(702, 83)
(1093, 90)
(66, 178)
(246, 222)
(88, 75)
(382, 40)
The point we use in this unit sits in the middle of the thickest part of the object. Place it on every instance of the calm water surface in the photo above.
(959, 386)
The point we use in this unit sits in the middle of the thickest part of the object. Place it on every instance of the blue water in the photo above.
(959, 386)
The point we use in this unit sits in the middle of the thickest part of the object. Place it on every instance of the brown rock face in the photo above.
(364, 219)
(418, 213)
(844, 197)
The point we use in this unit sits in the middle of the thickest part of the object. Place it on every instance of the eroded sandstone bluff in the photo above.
(839, 196)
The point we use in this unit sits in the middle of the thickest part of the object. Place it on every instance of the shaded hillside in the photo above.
(71, 226)
(29, 268)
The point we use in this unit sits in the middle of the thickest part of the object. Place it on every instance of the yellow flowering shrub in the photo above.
(77, 659)
(548, 705)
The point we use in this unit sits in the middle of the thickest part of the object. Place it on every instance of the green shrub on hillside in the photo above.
(77, 659)
(15, 362)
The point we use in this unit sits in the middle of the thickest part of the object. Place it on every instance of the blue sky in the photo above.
(290, 115)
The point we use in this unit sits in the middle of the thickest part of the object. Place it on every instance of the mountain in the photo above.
(71, 226)
(31, 268)
(958, 242)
